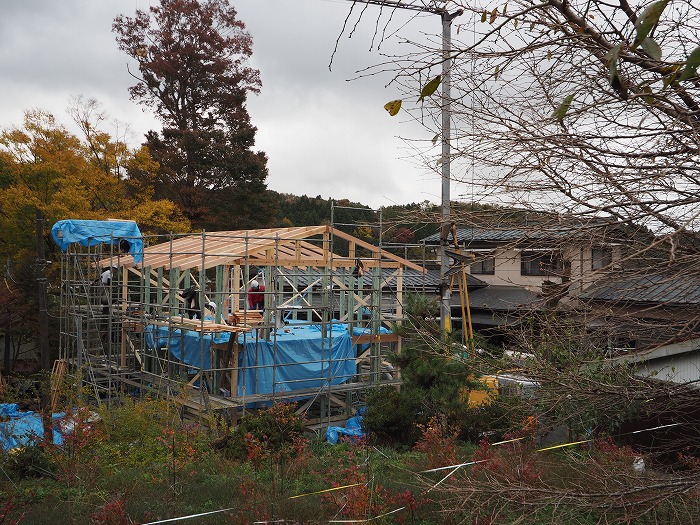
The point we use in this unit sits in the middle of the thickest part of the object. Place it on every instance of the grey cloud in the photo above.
(331, 136)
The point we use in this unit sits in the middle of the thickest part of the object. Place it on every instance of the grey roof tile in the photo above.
(650, 288)
(469, 235)
(412, 279)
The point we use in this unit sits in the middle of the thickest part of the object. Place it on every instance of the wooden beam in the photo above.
(365, 339)
(223, 246)
(319, 263)
(374, 249)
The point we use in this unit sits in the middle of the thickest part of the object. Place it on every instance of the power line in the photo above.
(424, 7)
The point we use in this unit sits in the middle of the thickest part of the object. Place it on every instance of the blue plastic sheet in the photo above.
(352, 431)
(90, 233)
(297, 358)
(23, 429)
(186, 346)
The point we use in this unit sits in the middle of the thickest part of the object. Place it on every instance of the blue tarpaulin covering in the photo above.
(90, 233)
(298, 357)
(22, 429)
(352, 431)
(187, 346)
(304, 359)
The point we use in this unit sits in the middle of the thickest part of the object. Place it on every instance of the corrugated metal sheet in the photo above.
(504, 298)
(681, 369)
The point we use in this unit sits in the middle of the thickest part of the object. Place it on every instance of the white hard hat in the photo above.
(212, 306)
(255, 284)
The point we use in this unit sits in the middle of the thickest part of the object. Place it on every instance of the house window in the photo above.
(600, 258)
(484, 266)
(540, 263)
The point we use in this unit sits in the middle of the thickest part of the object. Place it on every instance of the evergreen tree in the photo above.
(436, 378)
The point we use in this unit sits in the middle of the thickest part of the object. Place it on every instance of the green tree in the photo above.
(45, 166)
(193, 73)
(436, 376)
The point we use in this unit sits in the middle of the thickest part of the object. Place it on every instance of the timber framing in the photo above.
(131, 336)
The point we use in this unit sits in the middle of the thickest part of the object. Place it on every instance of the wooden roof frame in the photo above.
(263, 247)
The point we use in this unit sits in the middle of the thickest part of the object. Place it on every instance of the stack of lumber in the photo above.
(246, 318)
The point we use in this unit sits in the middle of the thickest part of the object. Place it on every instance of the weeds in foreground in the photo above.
(438, 442)
(124, 468)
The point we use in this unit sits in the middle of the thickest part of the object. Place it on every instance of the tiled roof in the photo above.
(469, 235)
(653, 288)
(412, 279)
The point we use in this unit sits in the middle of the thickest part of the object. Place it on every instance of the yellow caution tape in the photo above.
(564, 445)
(507, 441)
(325, 490)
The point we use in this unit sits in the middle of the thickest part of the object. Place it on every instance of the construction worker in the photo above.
(256, 296)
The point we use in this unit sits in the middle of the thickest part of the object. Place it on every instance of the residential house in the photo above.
(646, 316)
(525, 268)
(651, 319)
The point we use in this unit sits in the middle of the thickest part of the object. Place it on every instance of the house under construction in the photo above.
(169, 315)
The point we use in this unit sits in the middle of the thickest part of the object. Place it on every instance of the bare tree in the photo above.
(581, 111)
(586, 109)
(591, 107)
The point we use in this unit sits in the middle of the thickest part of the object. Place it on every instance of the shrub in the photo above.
(392, 416)
(514, 461)
(435, 374)
(438, 442)
(274, 434)
(149, 433)
(359, 499)
(29, 462)
(112, 513)
(11, 512)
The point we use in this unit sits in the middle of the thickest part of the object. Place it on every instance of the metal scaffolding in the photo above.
(178, 324)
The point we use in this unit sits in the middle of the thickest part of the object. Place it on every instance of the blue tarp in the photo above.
(184, 345)
(351, 431)
(90, 233)
(304, 359)
(22, 429)
(298, 357)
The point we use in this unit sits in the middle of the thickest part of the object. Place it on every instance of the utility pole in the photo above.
(446, 17)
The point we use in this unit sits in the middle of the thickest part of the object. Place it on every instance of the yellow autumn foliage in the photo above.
(44, 166)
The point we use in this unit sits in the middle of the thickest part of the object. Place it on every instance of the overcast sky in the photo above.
(323, 134)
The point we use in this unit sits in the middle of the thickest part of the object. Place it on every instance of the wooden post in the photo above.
(159, 292)
(217, 298)
(295, 286)
(375, 309)
(236, 299)
(399, 308)
(326, 245)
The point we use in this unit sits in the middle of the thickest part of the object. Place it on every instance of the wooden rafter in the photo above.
(264, 247)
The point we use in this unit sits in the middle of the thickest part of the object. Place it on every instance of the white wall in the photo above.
(507, 269)
(677, 369)
(507, 272)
